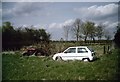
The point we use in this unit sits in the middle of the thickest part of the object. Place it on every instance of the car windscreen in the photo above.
(90, 49)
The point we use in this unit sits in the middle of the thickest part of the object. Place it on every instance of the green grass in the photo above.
(15, 67)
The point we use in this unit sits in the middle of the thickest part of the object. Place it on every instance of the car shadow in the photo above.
(96, 59)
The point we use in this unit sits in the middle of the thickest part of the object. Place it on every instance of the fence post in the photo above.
(108, 49)
(104, 50)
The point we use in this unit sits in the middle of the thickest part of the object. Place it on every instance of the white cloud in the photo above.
(68, 22)
(37, 26)
(18, 10)
(22, 9)
(111, 25)
(26, 9)
(60, 25)
(39, 13)
(52, 25)
(56, 29)
(110, 28)
(98, 12)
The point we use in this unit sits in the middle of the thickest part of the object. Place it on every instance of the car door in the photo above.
(69, 54)
(82, 53)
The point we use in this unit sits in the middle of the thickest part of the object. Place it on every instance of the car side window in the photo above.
(82, 50)
(71, 50)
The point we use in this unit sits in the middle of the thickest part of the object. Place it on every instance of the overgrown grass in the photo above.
(15, 67)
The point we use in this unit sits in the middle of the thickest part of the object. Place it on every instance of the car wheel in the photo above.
(25, 54)
(58, 58)
(86, 59)
(38, 54)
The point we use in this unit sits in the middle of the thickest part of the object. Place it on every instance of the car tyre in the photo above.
(58, 58)
(38, 54)
(25, 54)
(86, 59)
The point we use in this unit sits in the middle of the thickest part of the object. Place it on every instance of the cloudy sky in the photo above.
(52, 16)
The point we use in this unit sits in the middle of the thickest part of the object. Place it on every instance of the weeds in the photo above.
(44, 68)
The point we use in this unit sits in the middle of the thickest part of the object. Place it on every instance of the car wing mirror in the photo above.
(86, 51)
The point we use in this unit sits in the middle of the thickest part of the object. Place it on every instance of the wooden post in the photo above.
(104, 50)
(108, 48)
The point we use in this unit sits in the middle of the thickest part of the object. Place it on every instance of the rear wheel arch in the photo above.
(86, 59)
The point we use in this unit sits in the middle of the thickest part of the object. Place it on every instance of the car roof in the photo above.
(78, 47)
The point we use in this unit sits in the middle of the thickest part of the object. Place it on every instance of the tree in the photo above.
(37, 35)
(44, 35)
(85, 30)
(117, 36)
(66, 31)
(7, 32)
(7, 26)
(16, 38)
(88, 30)
(92, 31)
(76, 29)
(99, 31)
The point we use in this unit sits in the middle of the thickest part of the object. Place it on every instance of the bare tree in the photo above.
(76, 29)
(66, 29)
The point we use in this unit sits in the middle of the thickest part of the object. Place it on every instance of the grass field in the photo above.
(15, 67)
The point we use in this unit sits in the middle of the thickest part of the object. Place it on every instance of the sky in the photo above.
(60, 0)
(52, 16)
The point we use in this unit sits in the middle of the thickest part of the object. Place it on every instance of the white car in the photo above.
(76, 53)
